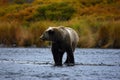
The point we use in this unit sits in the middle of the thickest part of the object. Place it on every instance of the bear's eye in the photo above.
(51, 32)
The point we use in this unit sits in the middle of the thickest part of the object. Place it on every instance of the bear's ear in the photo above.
(51, 31)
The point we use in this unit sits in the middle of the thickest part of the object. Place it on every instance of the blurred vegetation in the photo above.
(55, 11)
(96, 21)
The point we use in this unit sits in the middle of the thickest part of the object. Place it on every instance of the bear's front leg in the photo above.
(57, 55)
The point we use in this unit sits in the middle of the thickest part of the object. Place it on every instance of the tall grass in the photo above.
(116, 36)
(102, 35)
(8, 33)
(108, 35)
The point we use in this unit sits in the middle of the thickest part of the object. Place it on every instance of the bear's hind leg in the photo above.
(66, 61)
(70, 58)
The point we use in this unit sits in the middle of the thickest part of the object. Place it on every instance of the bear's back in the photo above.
(73, 34)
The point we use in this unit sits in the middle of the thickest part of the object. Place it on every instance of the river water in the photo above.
(37, 64)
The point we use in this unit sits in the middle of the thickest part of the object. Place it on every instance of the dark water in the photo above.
(37, 64)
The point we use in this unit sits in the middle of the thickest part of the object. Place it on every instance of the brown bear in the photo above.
(64, 39)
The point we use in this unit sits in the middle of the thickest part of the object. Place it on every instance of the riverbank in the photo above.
(96, 22)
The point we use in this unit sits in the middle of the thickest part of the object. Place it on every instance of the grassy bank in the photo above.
(96, 21)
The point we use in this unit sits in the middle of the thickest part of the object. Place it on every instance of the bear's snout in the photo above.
(42, 37)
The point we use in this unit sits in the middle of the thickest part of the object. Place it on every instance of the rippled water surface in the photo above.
(37, 64)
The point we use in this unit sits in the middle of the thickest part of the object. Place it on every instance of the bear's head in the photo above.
(51, 34)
